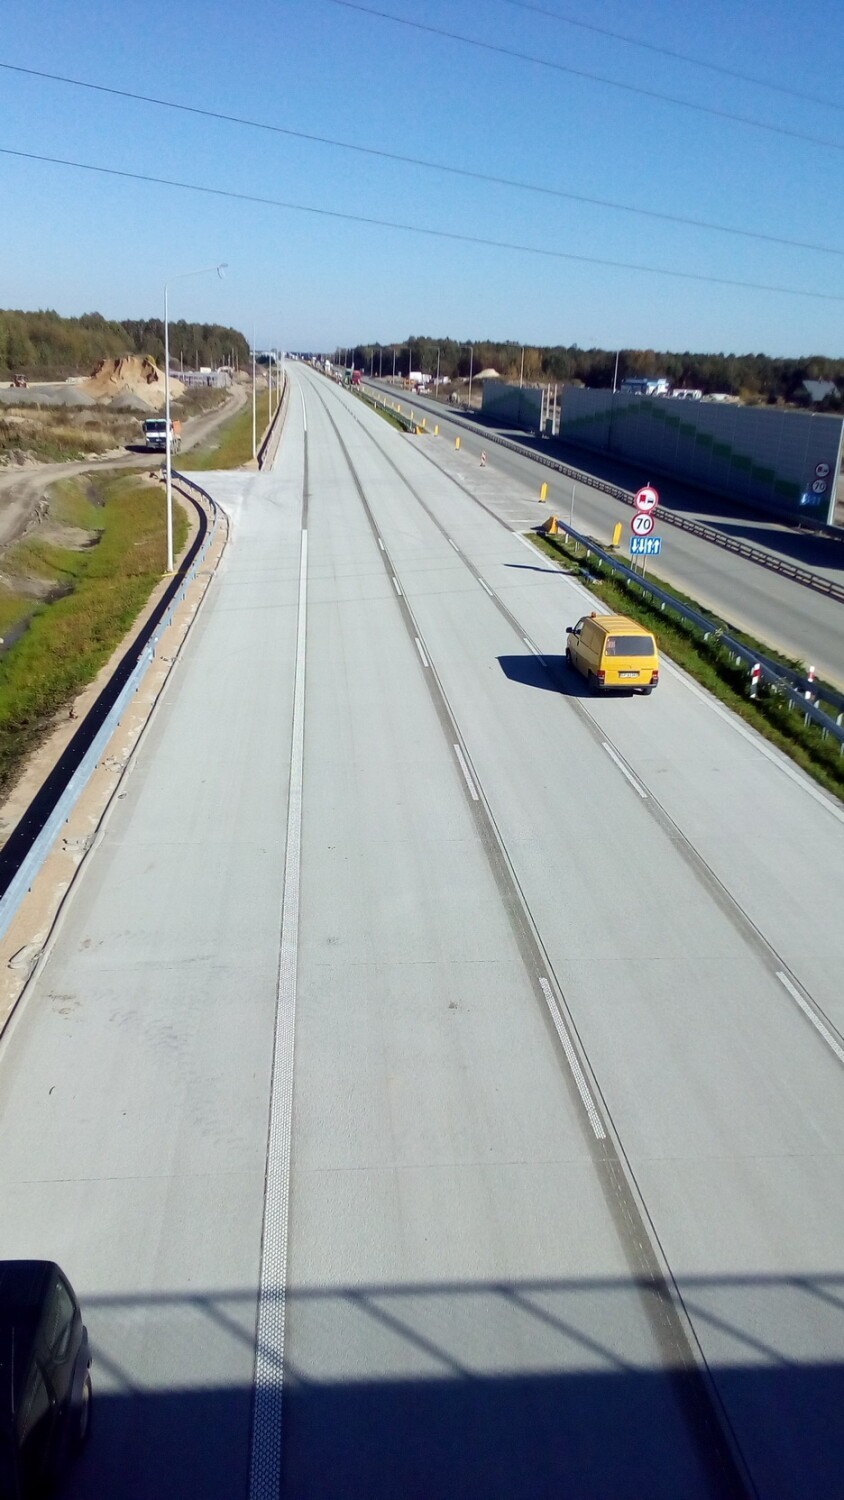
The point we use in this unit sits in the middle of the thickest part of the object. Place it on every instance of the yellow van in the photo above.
(613, 652)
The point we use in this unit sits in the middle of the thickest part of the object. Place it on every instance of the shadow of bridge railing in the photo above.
(512, 1390)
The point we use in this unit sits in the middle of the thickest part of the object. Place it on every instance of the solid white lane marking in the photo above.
(304, 412)
(265, 1456)
(396, 582)
(380, 544)
(571, 1055)
(452, 544)
(623, 769)
(810, 1015)
(466, 772)
(421, 651)
(535, 649)
(485, 586)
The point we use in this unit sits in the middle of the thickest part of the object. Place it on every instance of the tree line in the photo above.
(43, 344)
(755, 378)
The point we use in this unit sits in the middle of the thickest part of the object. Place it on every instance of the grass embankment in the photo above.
(714, 668)
(232, 443)
(103, 551)
(389, 416)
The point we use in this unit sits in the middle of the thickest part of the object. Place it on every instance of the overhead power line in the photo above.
(615, 83)
(438, 234)
(418, 161)
(684, 57)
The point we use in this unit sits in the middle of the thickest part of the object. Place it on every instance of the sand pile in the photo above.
(132, 374)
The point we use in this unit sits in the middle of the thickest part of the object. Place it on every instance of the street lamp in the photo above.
(437, 381)
(168, 463)
(471, 348)
(394, 364)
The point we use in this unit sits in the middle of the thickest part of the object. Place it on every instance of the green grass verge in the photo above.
(105, 585)
(389, 416)
(232, 443)
(714, 668)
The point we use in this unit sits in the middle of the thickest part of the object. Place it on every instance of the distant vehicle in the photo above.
(685, 394)
(18, 382)
(357, 376)
(658, 386)
(613, 652)
(45, 1377)
(155, 434)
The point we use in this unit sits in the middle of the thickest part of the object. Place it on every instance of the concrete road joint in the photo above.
(266, 1440)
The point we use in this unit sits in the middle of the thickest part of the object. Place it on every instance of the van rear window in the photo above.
(630, 645)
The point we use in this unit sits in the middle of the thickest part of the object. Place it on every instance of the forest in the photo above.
(45, 346)
(754, 378)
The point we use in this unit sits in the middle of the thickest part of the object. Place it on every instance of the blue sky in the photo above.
(79, 242)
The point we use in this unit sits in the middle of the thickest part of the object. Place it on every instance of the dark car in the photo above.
(45, 1377)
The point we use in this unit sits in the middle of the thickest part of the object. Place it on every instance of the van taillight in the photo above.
(601, 678)
(654, 679)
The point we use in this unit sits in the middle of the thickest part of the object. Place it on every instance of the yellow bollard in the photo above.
(411, 413)
(436, 429)
(457, 442)
(616, 535)
(424, 420)
(543, 492)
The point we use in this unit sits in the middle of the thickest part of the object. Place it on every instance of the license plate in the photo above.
(628, 674)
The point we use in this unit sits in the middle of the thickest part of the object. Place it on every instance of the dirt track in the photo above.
(22, 489)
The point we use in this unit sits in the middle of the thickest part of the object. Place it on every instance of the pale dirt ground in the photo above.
(21, 489)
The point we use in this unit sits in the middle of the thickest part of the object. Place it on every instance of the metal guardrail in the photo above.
(789, 684)
(793, 571)
(408, 423)
(24, 878)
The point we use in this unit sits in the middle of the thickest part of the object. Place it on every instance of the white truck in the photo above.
(155, 435)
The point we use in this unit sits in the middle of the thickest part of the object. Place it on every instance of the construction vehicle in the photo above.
(18, 382)
(155, 434)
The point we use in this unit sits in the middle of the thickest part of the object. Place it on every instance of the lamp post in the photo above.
(522, 371)
(437, 381)
(394, 364)
(168, 453)
(254, 404)
(471, 367)
(380, 361)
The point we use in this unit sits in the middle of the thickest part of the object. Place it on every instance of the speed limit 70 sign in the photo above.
(646, 499)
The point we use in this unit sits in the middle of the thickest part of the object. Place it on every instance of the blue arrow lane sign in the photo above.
(645, 546)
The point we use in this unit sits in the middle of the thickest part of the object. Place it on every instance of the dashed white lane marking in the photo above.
(485, 586)
(616, 758)
(466, 772)
(265, 1455)
(420, 649)
(452, 544)
(396, 585)
(571, 1056)
(810, 1015)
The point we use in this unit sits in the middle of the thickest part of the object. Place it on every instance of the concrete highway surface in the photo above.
(435, 1085)
(778, 611)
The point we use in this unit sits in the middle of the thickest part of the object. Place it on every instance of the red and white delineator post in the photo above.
(809, 695)
(755, 678)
